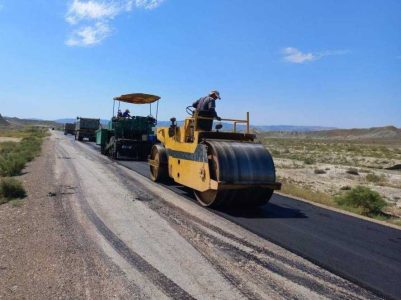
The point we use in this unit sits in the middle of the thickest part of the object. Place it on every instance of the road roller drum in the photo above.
(242, 162)
(244, 170)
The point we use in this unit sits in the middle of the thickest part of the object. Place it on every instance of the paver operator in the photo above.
(126, 114)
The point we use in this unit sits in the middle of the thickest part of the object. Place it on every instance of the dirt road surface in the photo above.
(107, 232)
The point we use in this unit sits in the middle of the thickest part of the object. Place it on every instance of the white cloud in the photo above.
(294, 55)
(80, 10)
(89, 35)
(148, 4)
(94, 17)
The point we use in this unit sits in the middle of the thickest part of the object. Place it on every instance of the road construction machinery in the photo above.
(223, 168)
(69, 128)
(86, 128)
(131, 137)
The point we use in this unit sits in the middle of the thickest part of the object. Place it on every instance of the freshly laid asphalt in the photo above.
(363, 252)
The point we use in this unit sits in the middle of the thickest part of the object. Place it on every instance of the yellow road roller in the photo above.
(224, 168)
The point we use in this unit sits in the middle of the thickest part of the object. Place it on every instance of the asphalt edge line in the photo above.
(344, 212)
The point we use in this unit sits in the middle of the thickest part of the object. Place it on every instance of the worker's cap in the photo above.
(216, 93)
(127, 110)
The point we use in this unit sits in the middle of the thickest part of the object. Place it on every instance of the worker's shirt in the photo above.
(126, 115)
(206, 104)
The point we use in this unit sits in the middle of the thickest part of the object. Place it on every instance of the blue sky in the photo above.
(330, 63)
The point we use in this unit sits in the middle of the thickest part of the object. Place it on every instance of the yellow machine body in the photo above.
(190, 173)
(221, 167)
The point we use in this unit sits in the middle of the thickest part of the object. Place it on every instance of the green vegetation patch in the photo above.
(10, 189)
(14, 155)
(363, 200)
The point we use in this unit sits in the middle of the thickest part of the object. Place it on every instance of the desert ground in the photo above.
(323, 167)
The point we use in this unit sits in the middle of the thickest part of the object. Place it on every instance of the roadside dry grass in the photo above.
(350, 153)
(321, 170)
(14, 155)
(304, 192)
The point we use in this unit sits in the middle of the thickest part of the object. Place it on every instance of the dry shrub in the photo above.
(352, 171)
(375, 178)
(11, 188)
(368, 202)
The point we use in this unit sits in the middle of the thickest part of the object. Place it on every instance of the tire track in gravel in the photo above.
(169, 287)
(184, 223)
(313, 278)
(148, 198)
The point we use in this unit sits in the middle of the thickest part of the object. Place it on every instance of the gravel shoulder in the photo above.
(44, 253)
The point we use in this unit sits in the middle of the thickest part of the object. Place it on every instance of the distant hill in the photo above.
(3, 122)
(17, 122)
(291, 128)
(387, 132)
(355, 134)
(73, 120)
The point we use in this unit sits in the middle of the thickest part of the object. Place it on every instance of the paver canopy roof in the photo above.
(137, 98)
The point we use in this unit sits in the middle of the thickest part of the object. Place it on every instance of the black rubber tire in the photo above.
(159, 154)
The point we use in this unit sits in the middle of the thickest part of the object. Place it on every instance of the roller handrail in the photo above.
(235, 121)
(229, 120)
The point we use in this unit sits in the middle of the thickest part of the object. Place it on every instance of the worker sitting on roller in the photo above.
(126, 114)
(206, 107)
